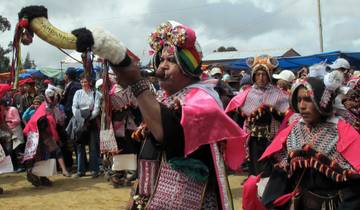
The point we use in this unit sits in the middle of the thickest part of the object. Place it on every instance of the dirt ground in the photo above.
(70, 193)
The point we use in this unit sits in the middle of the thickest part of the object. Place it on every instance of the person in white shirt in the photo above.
(86, 105)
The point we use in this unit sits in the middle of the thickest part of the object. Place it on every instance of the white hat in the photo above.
(215, 70)
(286, 75)
(340, 63)
(98, 83)
(52, 91)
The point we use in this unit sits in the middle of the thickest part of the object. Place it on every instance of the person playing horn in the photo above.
(185, 126)
(188, 126)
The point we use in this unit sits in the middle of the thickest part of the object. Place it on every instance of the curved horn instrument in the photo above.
(33, 19)
(49, 33)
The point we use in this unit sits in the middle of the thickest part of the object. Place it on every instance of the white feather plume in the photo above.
(317, 70)
(107, 46)
(333, 80)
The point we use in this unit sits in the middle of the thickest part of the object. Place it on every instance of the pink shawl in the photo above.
(238, 100)
(348, 144)
(31, 126)
(204, 122)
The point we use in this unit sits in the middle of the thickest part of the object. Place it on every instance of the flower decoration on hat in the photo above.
(180, 40)
(179, 36)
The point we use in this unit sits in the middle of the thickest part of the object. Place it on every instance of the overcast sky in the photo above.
(248, 25)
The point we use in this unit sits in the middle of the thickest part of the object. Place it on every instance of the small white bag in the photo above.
(124, 162)
(108, 141)
(6, 165)
(44, 168)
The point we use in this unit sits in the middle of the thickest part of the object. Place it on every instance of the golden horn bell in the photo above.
(49, 33)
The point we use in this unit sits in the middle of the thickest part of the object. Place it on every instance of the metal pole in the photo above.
(320, 26)
(61, 69)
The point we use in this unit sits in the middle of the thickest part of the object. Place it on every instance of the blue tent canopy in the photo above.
(24, 76)
(52, 73)
(31, 73)
(297, 62)
(80, 70)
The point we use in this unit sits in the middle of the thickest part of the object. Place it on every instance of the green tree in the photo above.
(231, 49)
(4, 61)
(221, 49)
(225, 49)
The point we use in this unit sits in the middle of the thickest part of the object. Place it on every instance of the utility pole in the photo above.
(320, 26)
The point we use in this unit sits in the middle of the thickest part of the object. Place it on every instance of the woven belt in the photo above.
(311, 200)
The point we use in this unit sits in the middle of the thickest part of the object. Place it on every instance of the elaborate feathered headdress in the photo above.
(263, 62)
(182, 39)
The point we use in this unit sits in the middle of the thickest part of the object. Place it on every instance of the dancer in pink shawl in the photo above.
(189, 128)
(43, 138)
(259, 109)
(316, 164)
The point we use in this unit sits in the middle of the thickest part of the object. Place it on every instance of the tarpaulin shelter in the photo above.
(296, 62)
(43, 72)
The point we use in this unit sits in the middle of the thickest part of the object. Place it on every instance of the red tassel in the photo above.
(24, 23)
(349, 172)
(333, 175)
(337, 177)
(307, 147)
(284, 198)
(333, 164)
(327, 171)
(316, 164)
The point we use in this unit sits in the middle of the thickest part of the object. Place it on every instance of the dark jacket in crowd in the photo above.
(67, 100)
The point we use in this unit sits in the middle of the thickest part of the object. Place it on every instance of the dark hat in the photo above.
(6, 99)
(70, 71)
(322, 92)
